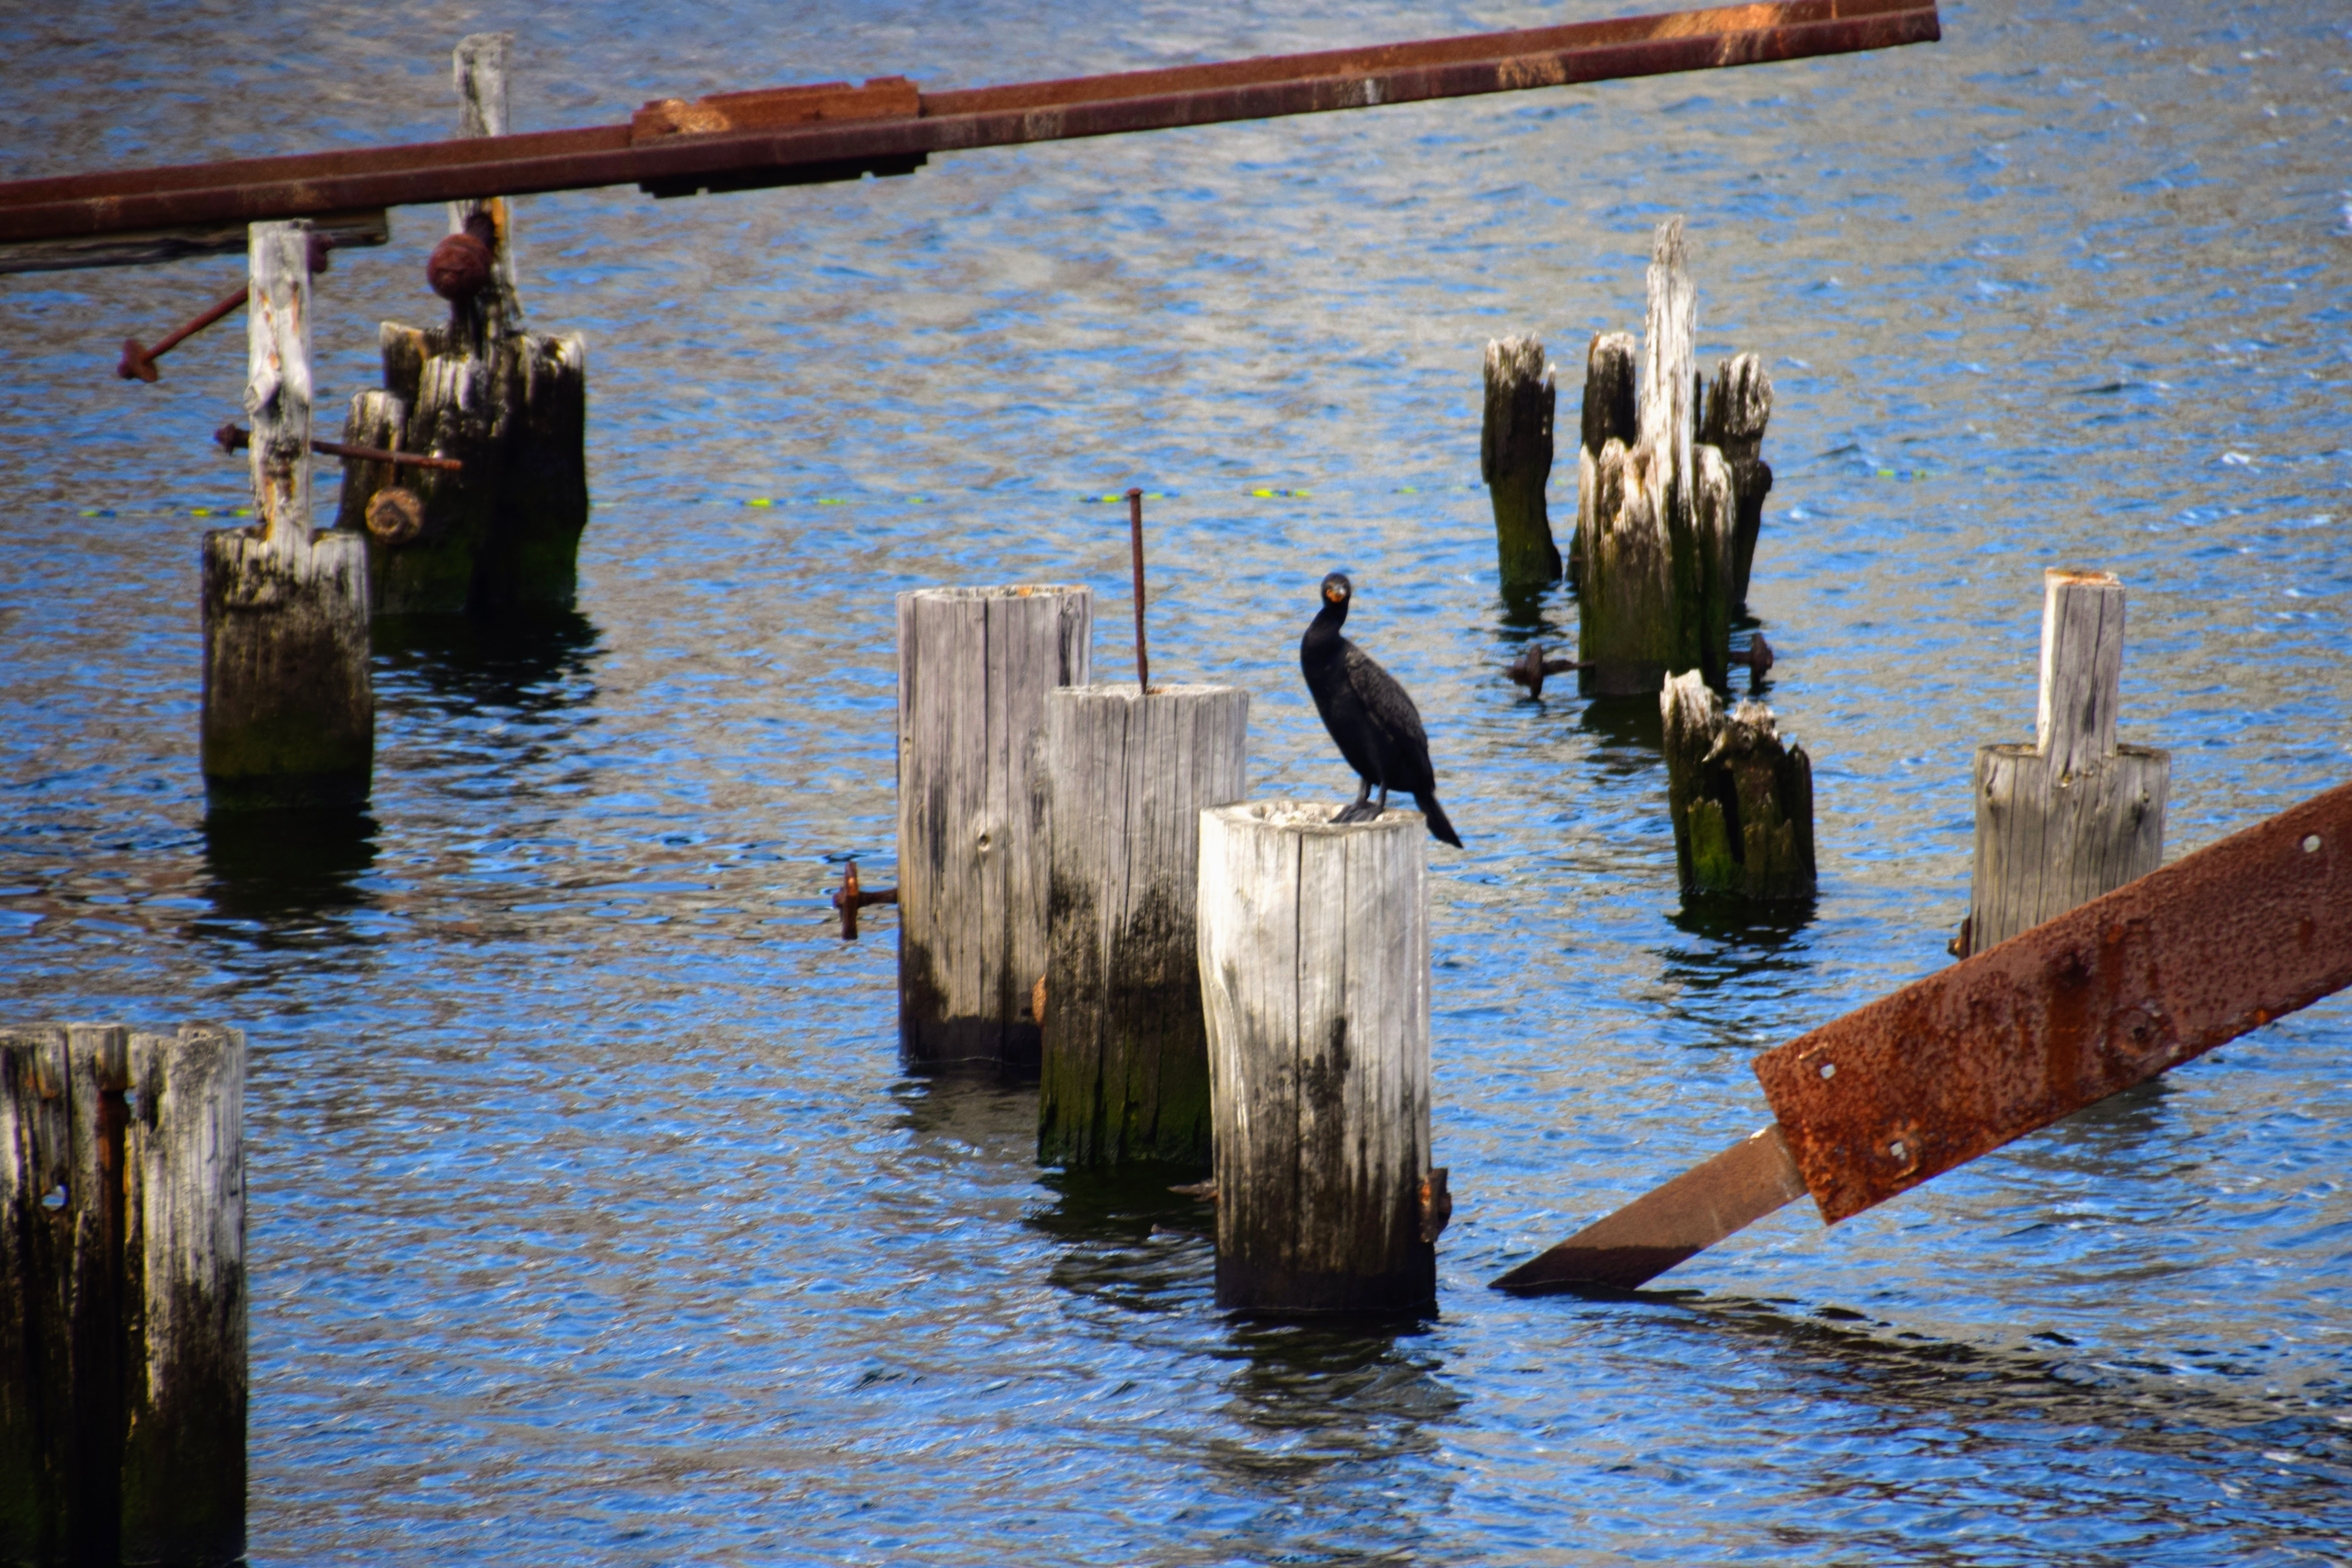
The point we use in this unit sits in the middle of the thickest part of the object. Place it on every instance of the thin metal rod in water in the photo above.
(1135, 536)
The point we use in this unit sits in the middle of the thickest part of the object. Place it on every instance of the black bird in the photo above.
(1377, 726)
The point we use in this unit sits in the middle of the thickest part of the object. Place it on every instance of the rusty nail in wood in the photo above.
(850, 898)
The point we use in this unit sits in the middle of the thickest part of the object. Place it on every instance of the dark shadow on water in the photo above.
(288, 868)
(532, 661)
(2106, 1142)
(1734, 941)
(1128, 1239)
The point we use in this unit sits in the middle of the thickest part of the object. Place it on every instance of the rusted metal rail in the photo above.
(2153, 975)
(835, 131)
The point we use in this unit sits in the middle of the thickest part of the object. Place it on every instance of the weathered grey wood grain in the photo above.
(99, 1071)
(1314, 954)
(288, 699)
(1124, 1074)
(1608, 415)
(477, 68)
(1741, 799)
(1738, 407)
(37, 1461)
(974, 668)
(183, 1465)
(1514, 456)
(2076, 815)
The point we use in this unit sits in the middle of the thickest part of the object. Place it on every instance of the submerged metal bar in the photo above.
(686, 158)
(2133, 983)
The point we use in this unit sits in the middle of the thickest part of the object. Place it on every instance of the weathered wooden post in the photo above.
(1656, 589)
(289, 704)
(1738, 407)
(1610, 414)
(974, 668)
(1515, 452)
(511, 407)
(2075, 815)
(1126, 1068)
(1741, 800)
(1315, 979)
(123, 1357)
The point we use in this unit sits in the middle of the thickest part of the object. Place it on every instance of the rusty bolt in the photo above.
(1530, 671)
(395, 516)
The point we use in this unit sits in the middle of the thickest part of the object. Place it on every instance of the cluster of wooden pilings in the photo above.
(1199, 982)
(489, 522)
(123, 1326)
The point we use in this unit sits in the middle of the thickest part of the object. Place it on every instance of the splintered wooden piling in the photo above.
(122, 1355)
(1515, 453)
(288, 703)
(2075, 815)
(511, 405)
(974, 668)
(1610, 414)
(1741, 799)
(1738, 407)
(1126, 1070)
(1315, 979)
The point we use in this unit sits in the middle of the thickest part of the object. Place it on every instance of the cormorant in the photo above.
(1377, 726)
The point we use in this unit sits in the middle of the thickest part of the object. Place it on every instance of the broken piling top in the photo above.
(2082, 667)
(1313, 952)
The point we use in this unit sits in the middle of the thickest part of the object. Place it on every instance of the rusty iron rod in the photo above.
(139, 364)
(2108, 995)
(311, 185)
(237, 439)
(1134, 539)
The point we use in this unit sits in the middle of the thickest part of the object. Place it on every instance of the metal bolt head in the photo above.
(460, 268)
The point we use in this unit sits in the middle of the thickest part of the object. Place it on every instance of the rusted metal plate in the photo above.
(882, 97)
(829, 149)
(2151, 975)
(1669, 1224)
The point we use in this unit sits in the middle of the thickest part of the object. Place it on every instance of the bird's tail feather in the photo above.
(1438, 826)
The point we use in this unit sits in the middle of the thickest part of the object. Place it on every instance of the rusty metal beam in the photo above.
(2154, 974)
(669, 154)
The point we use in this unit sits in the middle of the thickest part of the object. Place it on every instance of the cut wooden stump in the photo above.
(122, 1352)
(1515, 453)
(974, 668)
(288, 699)
(1314, 980)
(512, 407)
(1125, 1066)
(2075, 815)
(1741, 800)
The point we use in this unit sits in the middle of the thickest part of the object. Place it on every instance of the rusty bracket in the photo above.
(2131, 985)
(237, 439)
(849, 899)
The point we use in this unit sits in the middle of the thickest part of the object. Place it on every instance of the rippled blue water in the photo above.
(593, 1220)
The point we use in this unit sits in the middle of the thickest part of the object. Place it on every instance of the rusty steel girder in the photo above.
(2129, 985)
(742, 140)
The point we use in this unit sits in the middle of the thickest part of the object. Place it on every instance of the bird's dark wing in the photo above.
(1394, 721)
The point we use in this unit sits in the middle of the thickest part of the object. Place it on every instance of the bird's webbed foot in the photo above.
(1357, 810)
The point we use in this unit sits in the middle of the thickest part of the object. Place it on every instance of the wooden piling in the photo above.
(82, 1357)
(511, 405)
(289, 702)
(1658, 515)
(1515, 454)
(2076, 815)
(1610, 414)
(1741, 799)
(974, 668)
(1738, 407)
(1125, 1075)
(1313, 944)
(183, 1288)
